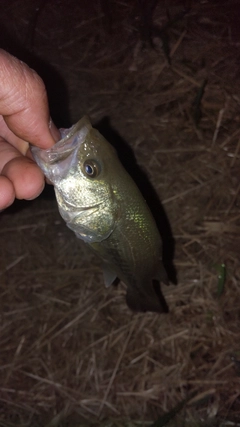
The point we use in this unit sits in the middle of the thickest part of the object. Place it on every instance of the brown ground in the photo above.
(71, 352)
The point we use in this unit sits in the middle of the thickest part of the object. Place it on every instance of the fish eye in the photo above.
(91, 168)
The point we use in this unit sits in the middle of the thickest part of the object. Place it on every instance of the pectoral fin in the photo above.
(108, 274)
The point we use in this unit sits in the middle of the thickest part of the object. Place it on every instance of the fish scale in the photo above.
(103, 206)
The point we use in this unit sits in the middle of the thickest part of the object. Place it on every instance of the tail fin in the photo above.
(146, 299)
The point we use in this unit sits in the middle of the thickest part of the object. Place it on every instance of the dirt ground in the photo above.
(161, 81)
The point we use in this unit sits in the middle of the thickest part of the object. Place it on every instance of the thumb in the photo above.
(24, 104)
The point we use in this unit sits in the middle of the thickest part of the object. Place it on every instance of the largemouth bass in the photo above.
(103, 206)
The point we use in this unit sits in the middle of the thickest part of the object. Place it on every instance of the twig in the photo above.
(166, 63)
(219, 121)
(235, 154)
(116, 367)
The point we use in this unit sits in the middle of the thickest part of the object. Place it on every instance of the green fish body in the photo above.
(103, 206)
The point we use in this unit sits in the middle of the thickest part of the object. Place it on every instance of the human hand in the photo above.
(24, 119)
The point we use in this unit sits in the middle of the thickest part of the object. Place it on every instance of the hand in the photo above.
(24, 119)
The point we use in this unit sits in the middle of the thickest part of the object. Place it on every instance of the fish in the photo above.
(101, 203)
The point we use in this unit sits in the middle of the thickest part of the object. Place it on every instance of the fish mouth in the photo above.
(54, 162)
(77, 219)
(81, 208)
(70, 211)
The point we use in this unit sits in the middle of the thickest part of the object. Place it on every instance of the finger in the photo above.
(23, 103)
(7, 193)
(7, 153)
(25, 176)
(7, 135)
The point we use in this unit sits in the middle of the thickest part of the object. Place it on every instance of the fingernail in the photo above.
(54, 131)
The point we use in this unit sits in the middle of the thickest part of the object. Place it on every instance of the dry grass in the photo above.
(71, 351)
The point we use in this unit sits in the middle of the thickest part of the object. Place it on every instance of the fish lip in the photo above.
(54, 161)
(60, 150)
